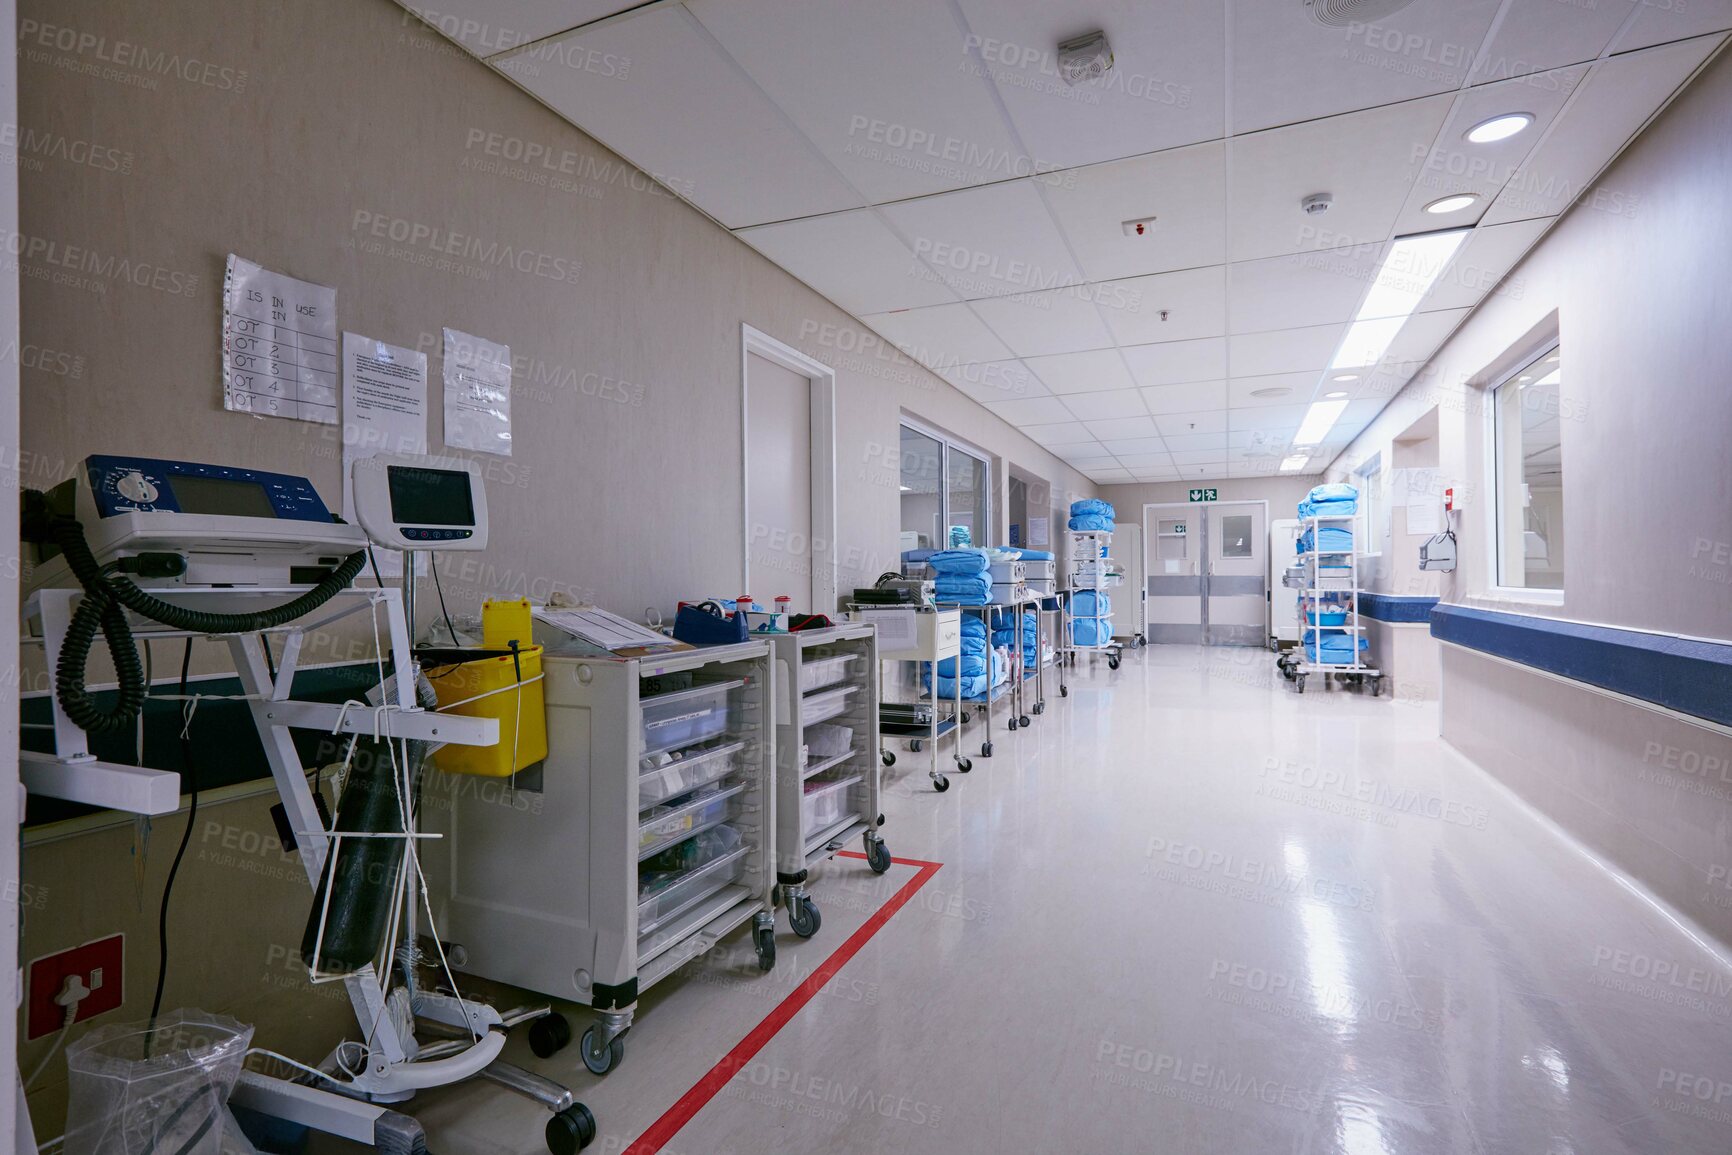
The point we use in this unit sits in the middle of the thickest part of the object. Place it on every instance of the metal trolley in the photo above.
(827, 763)
(1089, 570)
(1339, 578)
(645, 837)
(921, 633)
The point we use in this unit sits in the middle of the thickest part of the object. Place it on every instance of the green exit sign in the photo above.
(1203, 495)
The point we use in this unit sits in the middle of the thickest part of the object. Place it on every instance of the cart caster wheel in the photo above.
(1112, 662)
(1377, 687)
(1040, 707)
(1013, 723)
(965, 764)
(571, 1130)
(965, 717)
(804, 919)
(888, 757)
(776, 895)
(986, 749)
(1064, 691)
(549, 1034)
(913, 744)
(941, 783)
(877, 855)
(601, 1060)
(1299, 682)
(766, 940)
(1023, 720)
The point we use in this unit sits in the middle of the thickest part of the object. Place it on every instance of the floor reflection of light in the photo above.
(1331, 986)
(1361, 1132)
(1549, 1061)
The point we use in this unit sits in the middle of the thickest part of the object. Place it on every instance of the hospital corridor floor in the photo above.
(1186, 911)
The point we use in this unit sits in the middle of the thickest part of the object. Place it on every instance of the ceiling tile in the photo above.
(1283, 350)
(1367, 161)
(987, 242)
(1241, 391)
(1535, 35)
(1111, 476)
(1106, 406)
(1165, 87)
(1194, 301)
(684, 113)
(994, 380)
(1135, 446)
(489, 27)
(1288, 67)
(940, 335)
(1423, 333)
(1123, 429)
(1267, 418)
(1043, 323)
(1316, 288)
(890, 109)
(1059, 433)
(1185, 398)
(1176, 362)
(1180, 425)
(1144, 461)
(1088, 372)
(1032, 411)
(1609, 107)
(1489, 253)
(1183, 188)
(1661, 21)
(853, 259)
(1191, 455)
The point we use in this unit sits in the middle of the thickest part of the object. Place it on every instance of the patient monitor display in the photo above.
(412, 502)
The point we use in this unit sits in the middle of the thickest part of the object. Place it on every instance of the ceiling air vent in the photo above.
(1341, 13)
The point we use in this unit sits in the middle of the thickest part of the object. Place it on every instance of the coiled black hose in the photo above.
(102, 608)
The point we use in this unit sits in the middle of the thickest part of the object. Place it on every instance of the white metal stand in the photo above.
(1297, 665)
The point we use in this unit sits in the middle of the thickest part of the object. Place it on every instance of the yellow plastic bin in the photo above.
(461, 675)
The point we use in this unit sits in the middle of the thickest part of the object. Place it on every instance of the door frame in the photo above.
(1205, 560)
(1208, 574)
(823, 442)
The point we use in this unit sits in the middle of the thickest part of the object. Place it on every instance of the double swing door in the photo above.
(1206, 569)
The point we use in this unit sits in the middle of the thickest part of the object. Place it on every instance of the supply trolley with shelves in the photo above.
(920, 633)
(827, 760)
(1090, 571)
(645, 837)
(1329, 605)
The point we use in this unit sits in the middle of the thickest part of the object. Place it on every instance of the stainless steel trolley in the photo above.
(921, 633)
(1337, 577)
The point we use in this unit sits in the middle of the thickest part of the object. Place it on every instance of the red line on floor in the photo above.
(717, 1077)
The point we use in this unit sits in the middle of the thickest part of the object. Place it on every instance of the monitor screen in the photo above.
(430, 496)
(221, 495)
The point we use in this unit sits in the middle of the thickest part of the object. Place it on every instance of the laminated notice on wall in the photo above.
(279, 345)
(477, 394)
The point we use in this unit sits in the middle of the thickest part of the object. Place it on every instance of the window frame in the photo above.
(1369, 534)
(1495, 587)
(947, 444)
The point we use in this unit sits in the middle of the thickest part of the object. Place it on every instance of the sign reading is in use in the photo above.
(1203, 495)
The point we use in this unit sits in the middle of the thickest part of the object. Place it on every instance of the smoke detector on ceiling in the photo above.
(1316, 203)
(1086, 57)
(1342, 13)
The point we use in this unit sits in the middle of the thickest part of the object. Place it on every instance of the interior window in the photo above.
(1527, 410)
(1236, 535)
(966, 510)
(922, 501)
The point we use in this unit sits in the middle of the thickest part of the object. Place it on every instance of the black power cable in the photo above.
(186, 835)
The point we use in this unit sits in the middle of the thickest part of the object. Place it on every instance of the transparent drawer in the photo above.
(825, 704)
(817, 673)
(826, 803)
(660, 827)
(663, 776)
(663, 896)
(686, 717)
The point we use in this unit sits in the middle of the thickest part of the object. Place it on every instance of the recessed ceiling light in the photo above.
(1337, 395)
(1552, 360)
(1294, 463)
(1499, 127)
(1345, 377)
(1452, 204)
(1526, 378)
(1318, 420)
(1272, 391)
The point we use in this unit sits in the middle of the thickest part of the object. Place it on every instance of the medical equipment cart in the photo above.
(993, 693)
(1333, 574)
(1090, 570)
(921, 633)
(827, 763)
(645, 838)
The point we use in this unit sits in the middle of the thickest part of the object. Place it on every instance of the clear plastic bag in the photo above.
(134, 1090)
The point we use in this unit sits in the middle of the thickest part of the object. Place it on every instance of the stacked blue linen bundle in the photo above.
(962, 576)
(1333, 647)
(977, 657)
(1091, 626)
(1330, 539)
(1091, 513)
(1004, 634)
(1336, 499)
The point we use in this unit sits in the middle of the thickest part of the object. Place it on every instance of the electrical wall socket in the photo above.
(100, 963)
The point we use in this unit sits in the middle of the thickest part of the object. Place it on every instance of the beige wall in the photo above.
(302, 136)
(1640, 299)
(1282, 492)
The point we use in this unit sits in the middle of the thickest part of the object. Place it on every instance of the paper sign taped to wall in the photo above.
(1038, 531)
(384, 411)
(279, 345)
(477, 394)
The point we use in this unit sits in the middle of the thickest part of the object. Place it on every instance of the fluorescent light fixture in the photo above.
(1319, 420)
(1499, 127)
(1410, 267)
(1452, 204)
(1338, 393)
(1294, 463)
(1345, 377)
(907, 489)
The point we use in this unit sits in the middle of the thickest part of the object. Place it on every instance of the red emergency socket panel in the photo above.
(98, 963)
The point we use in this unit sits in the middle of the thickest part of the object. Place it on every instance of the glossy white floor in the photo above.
(1191, 911)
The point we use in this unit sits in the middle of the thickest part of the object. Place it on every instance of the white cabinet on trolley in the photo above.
(645, 837)
(827, 760)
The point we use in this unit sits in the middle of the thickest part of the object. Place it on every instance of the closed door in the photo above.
(778, 483)
(1236, 584)
(1173, 570)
